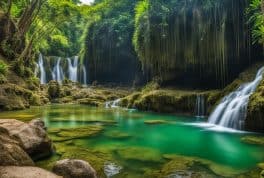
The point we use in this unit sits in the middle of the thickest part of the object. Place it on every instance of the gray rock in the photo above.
(31, 137)
(25, 172)
(71, 168)
(11, 154)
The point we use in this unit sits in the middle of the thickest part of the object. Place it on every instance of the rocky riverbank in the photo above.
(23, 143)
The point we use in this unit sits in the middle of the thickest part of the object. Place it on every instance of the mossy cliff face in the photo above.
(200, 41)
(162, 100)
(255, 110)
(14, 96)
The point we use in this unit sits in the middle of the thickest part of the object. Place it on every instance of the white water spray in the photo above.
(112, 104)
(42, 70)
(200, 106)
(57, 72)
(73, 68)
(231, 112)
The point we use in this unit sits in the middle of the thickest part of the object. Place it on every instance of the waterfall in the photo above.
(42, 70)
(231, 112)
(84, 75)
(73, 68)
(57, 68)
(112, 104)
(200, 106)
(57, 72)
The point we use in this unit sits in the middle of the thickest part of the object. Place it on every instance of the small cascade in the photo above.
(84, 76)
(40, 65)
(57, 72)
(73, 68)
(200, 106)
(111, 169)
(112, 104)
(231, 112)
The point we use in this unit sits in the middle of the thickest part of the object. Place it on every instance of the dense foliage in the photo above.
(256, 18)
(3, 68)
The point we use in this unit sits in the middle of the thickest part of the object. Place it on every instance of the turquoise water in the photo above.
(129, 130)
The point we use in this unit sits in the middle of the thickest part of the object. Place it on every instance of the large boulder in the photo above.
(25, 172)
(32, 137)
(10, 152)
(72, 168)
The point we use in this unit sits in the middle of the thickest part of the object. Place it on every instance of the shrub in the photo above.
(3, 67)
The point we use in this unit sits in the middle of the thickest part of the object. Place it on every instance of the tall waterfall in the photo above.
(57, 72)
(40, 65)
(231, 112)
(200, 106)
(73, 68)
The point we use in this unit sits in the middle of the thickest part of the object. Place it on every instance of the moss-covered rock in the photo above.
(256, 140)
(155, 122)
(13, 97)
(54, 89)
(68, 150)
(255, 110)
(162, 100)
(91, 102)
(193, 166)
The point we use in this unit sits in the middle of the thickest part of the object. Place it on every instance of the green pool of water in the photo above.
(143, 142)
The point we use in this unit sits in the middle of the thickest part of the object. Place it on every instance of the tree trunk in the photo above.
(29, 15)
(8, 17)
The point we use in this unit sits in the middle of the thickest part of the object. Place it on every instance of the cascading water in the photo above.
(111, 169)
(112, 104)
(200, 106)
(57, 68)
(40, 65)
(73, 68)
(57, 72)
(231, 112)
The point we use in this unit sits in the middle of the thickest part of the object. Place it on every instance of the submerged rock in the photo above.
(154, 122)
(139, 154)
(73, 168)
(25, 172)
(31, 137)
(186, 163)
(74, 133)
(256, 140)
(117, 135)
